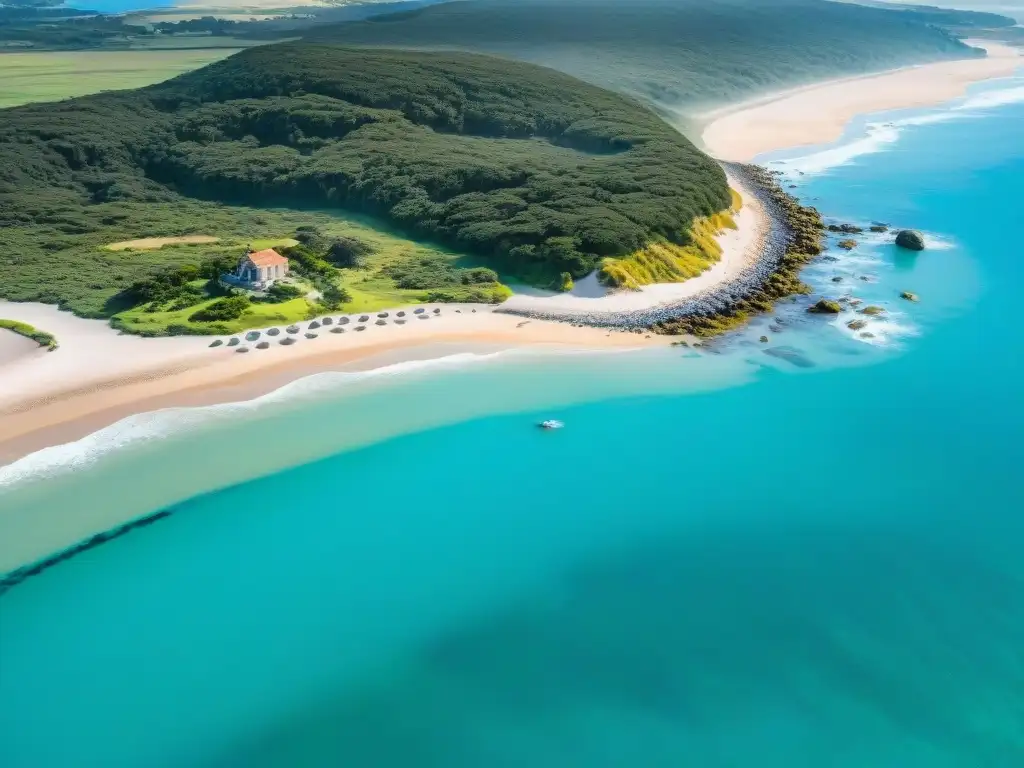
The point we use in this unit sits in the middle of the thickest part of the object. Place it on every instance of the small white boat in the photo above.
(551, 424)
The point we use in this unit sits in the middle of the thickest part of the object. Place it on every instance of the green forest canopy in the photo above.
(677, 52)
(521, 165)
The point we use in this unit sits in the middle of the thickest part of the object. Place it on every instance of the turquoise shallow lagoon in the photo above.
(732, 558)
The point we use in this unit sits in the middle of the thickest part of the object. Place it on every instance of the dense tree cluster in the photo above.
(524, 165)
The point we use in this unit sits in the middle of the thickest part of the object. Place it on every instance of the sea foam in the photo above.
(879, 135)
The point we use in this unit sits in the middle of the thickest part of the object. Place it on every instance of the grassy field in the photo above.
(49, 76)
(370, 288)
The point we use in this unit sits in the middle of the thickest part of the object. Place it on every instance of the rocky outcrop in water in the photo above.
(909, 296)
(825, 307)
(910, 239)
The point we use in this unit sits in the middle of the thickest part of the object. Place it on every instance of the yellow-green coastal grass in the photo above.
(663, 261)
(33, 76)
(42, 338)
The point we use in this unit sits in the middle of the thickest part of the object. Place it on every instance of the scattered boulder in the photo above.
(764, 339)
(910, 239)
(867, 335)
(360, 328)
(837, 279)
(288, 340)
(310, 335)
(363, 318)
(423, 317)
(437, 310)
(263, 345)
(856, 325)
(292, 329)
(909, 296)
(382, 321)
(825, 307)
(871, 310)
(314, 325)
(218, 342)
(847, 245)
(273, 332)
(846, 229)
(400, 314)
(344, 320)
(879, 228)
(419, 311)
(233, 341)
(382, 314)
(242, 349)
(400, 321)
(830, 259)
(337, 330)
(328, 321)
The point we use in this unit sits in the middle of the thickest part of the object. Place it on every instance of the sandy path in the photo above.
(740, 249)
(819, 114)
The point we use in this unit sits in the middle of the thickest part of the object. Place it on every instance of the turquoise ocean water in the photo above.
(813, 557)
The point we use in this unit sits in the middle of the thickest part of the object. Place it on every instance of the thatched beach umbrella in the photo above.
(344, 320)
(419, 311)
(263, 345)
(314, 325)
(287, 340)
(337, 330)
(273, 331)
(328, 321)
(217, 342)
(311, 335)
(360, 327)
(252, 335)
(363, 318)
(292, 329)
(242, 349)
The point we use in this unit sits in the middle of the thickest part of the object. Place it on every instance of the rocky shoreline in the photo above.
(795, 235)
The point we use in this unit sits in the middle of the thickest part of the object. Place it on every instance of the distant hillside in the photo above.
(674, 52)
(515, 163)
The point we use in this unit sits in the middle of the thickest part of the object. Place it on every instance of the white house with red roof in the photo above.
(259, 269)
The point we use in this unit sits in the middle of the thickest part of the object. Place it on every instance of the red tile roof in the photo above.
(268, 258)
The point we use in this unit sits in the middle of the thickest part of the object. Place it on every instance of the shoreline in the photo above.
(736, 276)
(41, 408)
(99, 377)
(819, 113)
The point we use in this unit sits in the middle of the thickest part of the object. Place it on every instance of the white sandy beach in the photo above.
(99, 376)
(819, 113)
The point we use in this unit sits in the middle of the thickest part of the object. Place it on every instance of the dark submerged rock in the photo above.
(909, 296)
(910, 239)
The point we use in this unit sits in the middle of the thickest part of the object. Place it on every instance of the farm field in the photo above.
(33, 76)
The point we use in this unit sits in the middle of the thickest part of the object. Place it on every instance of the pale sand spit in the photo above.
(819, 113)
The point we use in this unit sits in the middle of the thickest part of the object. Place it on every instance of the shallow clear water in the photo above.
(732, 559)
